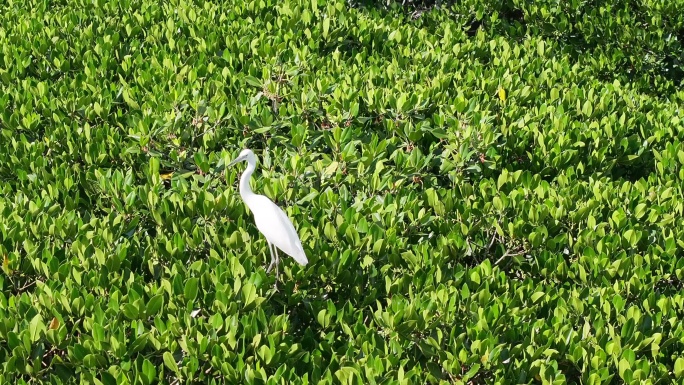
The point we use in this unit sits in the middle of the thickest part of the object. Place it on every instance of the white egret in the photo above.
(270, 219)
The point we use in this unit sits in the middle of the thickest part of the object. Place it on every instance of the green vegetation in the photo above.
(488, 192)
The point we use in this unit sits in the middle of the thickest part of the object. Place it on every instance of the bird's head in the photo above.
(245, 154)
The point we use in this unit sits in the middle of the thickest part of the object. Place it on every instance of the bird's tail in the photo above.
(300, 257)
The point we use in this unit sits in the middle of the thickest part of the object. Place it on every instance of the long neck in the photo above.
(245, 190)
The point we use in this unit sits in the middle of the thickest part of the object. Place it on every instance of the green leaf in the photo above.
(640, 210)
(251, 80)
(201, 161)
(149, 369)
(475, 277)
(191, 288)
(139, 343)
(98, 332)
(537, 296)
(632, 237)
(326, 27)
(170, 362)
(248, 293)
(503, 178)
(498, 203)
(346, 374)
(130, 311)
(540, 48)
(155, 304)
(36, 327)
(322, 319)
(679, 367)
(460, 104)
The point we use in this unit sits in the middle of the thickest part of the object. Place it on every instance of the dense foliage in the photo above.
(488, 192)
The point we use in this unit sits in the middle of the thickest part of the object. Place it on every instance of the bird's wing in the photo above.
(278, 229)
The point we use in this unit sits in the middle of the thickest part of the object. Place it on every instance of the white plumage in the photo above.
(270, 219)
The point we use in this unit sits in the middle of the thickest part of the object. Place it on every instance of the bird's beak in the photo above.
(233, 162)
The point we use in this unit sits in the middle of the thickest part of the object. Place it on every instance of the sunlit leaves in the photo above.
(483, 192)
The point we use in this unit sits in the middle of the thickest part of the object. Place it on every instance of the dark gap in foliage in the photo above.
(669, 286)
(632, 172)
(632, 66)
(472, 26)
(348, 47)
(411, 5)
(518, 158)
(512, 14)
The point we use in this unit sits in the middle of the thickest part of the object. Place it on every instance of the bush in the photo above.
(488, 192)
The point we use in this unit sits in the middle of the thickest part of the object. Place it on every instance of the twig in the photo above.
(21, 289)
(491, 243)
(508, 253)
(212, 128)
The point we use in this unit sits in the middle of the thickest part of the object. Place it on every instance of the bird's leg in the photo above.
(270, 249)
(277, 262)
